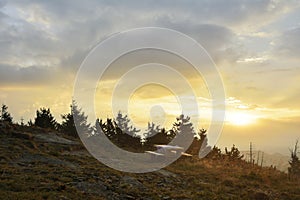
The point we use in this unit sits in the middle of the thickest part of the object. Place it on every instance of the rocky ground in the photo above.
(42, 164)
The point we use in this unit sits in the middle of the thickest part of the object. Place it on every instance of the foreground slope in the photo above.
(42, 164)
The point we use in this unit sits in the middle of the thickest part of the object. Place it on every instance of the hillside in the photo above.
(41, 164)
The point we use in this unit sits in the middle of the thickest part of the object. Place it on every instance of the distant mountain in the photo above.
(281, 162)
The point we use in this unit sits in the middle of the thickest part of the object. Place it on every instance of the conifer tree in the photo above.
(121, 132)
(184, 130)
(5, 115)
(294, 169)
(45, 119)
(234, 153)
(183, 125)
(75, 116)
(122, 122)
(215, 153)
(199, 143)
(156, 135)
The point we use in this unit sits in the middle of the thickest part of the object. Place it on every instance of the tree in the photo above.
(67, 126)
(151, 130)
(75, 116)
(121, 132)
(184, 131)
(199, 143)
(234, 153)
(215, 153)
(123, 124)
(98, 127)
(156, 135)
(5, 115)
(30, 123)
(294, 169)
(107, 128)
(44, 119)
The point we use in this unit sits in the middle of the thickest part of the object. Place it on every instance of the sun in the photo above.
(240, 119)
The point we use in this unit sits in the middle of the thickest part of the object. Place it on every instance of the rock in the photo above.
(98, 188)
(132, 182)
(80, 153)
(166, 173)
(161, 184)
(28, 158)
(53, 138)
(126, 197)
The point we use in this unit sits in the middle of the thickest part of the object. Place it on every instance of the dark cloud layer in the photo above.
(34, 76)
(59, 34)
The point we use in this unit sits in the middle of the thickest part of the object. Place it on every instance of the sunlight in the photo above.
(240, 119)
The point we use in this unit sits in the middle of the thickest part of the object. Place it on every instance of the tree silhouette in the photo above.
(199, 143)
(215, 153)
(30, 123)
(152, 130)
(156, 135)
(294, 169)
(234, 153)
(121, 132)
(97, 128)
(183, 125)
(107, 128)
(44, 119)
(122, 123)
(67, 125)
(5, 115)
(75, 116)
(184, 131)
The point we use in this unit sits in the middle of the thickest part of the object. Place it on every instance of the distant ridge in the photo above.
(281, 162)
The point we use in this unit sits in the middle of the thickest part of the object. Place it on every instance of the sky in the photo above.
(254, 43)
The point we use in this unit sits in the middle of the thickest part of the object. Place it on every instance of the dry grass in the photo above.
(33, 169)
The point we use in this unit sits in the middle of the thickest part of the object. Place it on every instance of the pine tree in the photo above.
(199, 143)
(45, 119)
(30, 123)
(107, 128)
(97, 127)
(123, 123)
(126, 134)
(67, 126)
(5, 115)
(234, 153)
(75, 116)
(183, 125)
(184, 130)
(156, 135)
(294, 169)
(121, 132)
(152, 130)
(215, 153)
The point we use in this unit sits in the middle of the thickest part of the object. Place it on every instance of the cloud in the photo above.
(11, 75)
(234, 103)
(288, 44)
(60, 29)
(217, 40)
(253, 60)
(51, 38)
